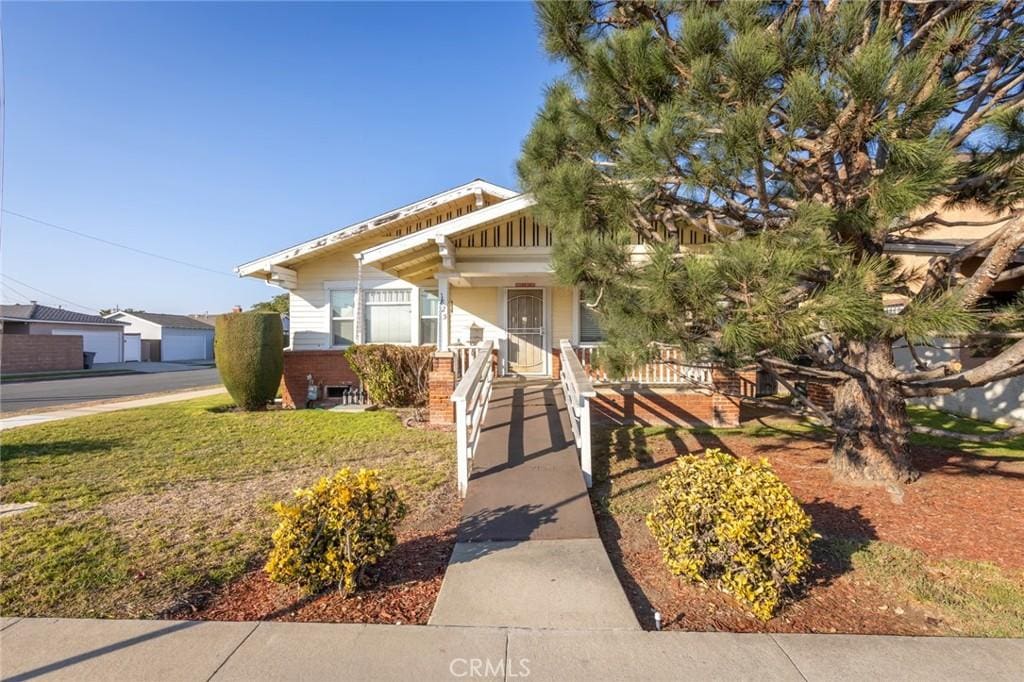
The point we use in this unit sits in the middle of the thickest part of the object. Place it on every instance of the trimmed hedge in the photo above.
(732, 522)
(249, 348)
(393, 376)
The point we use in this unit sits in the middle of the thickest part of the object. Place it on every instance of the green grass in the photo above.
(1012, 448)
(144, 507)
(974, 598)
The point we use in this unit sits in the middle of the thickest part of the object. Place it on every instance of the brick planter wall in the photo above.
(822, 395)
(652, 406)
(440, 386)
(328, 367)
(39, 353)
(666, 406)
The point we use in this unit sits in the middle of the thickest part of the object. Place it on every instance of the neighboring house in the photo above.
(211, 319)
(462, 267)
(169, 338)
(98, 335)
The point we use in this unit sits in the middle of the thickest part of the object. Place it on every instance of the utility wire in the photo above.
(118, 245)
(47, 293)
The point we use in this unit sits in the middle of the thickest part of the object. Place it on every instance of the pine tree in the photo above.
(799, 137)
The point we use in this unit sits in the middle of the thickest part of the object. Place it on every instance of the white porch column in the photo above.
(444, 308)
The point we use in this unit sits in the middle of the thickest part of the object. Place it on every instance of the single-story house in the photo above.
(211, 319)
(458, 269)
(99, 335)
(169, 338)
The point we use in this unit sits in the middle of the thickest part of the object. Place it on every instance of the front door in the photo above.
(525, 325)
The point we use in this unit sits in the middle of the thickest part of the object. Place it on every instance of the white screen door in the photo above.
(525, 325)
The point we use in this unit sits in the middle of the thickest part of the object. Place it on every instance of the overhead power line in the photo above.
(47, 293)
(117, 244)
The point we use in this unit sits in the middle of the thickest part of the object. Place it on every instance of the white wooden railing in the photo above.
(465, 354)
(578, 391)
(471, 396)
(668, 370)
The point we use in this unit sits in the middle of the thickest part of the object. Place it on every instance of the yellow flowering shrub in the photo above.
(333, 530)
(731, 522)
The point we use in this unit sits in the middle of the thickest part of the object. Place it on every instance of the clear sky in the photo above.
(218, 133)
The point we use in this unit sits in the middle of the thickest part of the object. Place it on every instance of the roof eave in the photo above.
(261, 267)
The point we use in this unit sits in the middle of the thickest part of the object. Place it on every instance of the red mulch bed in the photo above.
(964, 507)
(402, 588)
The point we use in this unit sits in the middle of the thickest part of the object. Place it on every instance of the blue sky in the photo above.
(217, 133)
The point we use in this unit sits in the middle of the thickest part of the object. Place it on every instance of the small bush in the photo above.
(733, 522)
(333, 530)
(393, 376)
(250, 357)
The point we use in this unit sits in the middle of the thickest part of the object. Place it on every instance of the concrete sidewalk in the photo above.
(528, 553)
(56, 649)
(100, 408)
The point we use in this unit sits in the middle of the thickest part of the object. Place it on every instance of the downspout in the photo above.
(358, 303)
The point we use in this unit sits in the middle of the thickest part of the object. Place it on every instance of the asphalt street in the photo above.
(34, 394)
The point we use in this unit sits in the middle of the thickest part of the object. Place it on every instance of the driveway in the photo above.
(17, 397)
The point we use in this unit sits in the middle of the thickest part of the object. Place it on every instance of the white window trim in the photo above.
(328, 290)
(360, 307)
(577, 296)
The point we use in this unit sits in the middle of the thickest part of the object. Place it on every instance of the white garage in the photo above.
(106, 344)
(168, 338)
(132, 347)
(99, 335)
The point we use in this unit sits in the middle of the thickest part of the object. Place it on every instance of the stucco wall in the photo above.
(999, 401)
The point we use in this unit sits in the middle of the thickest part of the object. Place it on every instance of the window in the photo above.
(429, 307)
(343, 317)
(388, 315)
(590, 329)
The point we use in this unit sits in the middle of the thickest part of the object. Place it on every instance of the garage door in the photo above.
(106, 345)
(184, 347)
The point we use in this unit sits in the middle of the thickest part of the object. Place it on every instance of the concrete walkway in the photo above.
(100, 408)
(528, 553)
(55, 649)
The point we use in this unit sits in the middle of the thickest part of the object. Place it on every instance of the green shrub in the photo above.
(393, 376)
(250, 357)
(333, 530)
(732, 522)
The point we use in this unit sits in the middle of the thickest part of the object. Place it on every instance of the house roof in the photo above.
(33, 312)
(449, 228)
(171, 321)
(263, 267)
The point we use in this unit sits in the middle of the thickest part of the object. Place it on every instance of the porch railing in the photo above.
(578, 391)
(668, 370)
(471, 396)
(465, 354)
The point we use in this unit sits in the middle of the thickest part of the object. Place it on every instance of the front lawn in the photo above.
(152, 511)
(943, 555)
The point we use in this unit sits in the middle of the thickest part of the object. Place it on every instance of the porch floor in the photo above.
(528, 553)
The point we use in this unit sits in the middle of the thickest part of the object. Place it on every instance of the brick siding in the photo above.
(39, 353)
(821, 394)
(328, 367)
(440, 386)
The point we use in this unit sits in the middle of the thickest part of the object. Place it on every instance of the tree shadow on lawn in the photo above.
(844, 531)
(77, 446)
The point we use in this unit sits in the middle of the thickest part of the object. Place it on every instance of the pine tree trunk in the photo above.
(871, 421)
